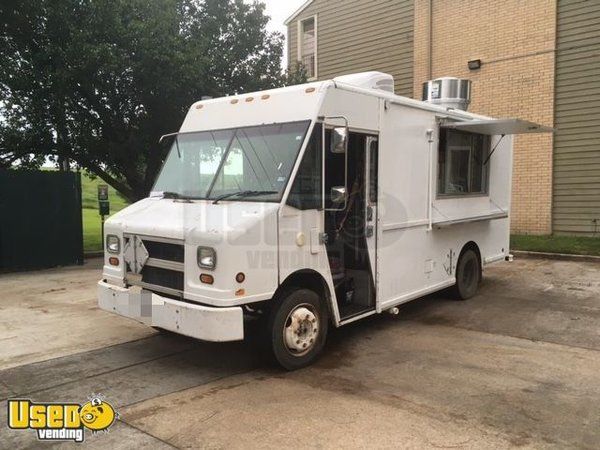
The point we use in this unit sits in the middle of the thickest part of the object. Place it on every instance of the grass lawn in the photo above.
(92, 239)
(574, 245)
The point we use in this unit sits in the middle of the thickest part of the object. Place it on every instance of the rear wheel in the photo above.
(298, 328)
(163, 331)
(468, 275)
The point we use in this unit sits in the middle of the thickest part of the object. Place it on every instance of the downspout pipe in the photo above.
(430, 178)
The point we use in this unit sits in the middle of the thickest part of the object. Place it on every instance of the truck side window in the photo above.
(373, 161)
(460, 163)
(306, 190)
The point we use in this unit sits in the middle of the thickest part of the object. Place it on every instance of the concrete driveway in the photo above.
(517, 366)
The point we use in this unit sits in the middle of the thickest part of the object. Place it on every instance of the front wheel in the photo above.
(298, 328)
(468, 275)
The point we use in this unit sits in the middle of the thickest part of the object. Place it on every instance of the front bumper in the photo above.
(197, 321)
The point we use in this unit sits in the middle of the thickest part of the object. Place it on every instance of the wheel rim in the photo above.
(301, 329)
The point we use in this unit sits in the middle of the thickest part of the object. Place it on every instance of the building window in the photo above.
(307, 48)
(461, 168)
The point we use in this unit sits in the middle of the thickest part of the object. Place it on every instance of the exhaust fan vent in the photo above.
(448, 92)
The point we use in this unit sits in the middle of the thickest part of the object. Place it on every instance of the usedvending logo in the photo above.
(61, 421)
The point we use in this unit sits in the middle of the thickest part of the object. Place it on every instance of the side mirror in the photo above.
(339, 140)
(338, 195)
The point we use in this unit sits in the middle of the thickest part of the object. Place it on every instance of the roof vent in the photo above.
(448, 92)
(369, 80)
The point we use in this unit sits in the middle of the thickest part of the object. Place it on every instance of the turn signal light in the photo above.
(206, 278)
(113, 261)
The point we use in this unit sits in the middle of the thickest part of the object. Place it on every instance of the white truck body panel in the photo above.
(417, 234)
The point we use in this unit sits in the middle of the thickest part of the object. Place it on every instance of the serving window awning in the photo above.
(497, 126)
(491, 215)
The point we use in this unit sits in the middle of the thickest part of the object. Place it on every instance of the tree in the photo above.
(99, 81)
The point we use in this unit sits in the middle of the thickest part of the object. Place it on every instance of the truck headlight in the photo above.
(113, 244)
(207, 257)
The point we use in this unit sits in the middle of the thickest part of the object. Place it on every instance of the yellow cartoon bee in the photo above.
(97, 415)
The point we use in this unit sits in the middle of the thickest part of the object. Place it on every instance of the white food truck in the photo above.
(313, 206)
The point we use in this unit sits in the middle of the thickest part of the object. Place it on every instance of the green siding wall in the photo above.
(576, 208)
(361, 35)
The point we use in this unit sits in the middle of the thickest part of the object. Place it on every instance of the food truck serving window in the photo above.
(461, 168)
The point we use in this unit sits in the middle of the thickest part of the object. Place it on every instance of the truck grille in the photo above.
(163, 269)
(163, 250)
(170, 279)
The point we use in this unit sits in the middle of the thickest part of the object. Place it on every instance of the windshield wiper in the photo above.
(242, 194)
(169, 194)
(175, 196)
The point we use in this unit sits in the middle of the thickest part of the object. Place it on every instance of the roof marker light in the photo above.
(249, 99)
(199, 106)
(309, 90)
(234, 101)
(266, 97)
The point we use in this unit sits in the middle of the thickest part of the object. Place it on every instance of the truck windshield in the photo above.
(254, 161)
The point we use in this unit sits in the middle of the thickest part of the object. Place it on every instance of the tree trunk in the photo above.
(120, 186)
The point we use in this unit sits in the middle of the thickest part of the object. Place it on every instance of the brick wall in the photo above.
(515, 40)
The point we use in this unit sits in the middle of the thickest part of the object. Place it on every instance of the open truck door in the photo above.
(371, 210)
(350, 209)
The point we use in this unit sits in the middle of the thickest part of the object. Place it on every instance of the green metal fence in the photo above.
(40, 219)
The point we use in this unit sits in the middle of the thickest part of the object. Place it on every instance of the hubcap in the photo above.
(301, 330)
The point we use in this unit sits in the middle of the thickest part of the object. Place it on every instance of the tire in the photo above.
(468, 275)
(165, 332)
(298, 328)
